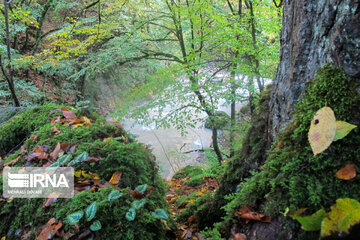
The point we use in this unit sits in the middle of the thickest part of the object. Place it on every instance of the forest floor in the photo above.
(179, 197)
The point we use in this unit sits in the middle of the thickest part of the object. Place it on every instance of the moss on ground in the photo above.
(20, 127)
(291, 176)
(116, 152)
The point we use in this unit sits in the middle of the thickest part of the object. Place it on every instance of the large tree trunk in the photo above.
(315, 32)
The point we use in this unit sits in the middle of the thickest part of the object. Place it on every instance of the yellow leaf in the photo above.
(115, 178)
(199, 194)
(3, 238)
(344, 214)
(86, 121)
(322, 130)
(77, 173)
(191, 201)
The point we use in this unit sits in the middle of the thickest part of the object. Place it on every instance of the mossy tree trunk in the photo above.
(314, 33)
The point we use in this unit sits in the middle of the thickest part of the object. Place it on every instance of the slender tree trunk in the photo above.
(216, 145)
(232, 114)
(41, 21)
(9, 77)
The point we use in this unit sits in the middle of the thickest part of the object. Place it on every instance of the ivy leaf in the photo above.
(64, 159)
(346, 173)
(115, 194)
(342, 129)
(75, 217)
(131, 214)
(141, 188)
(82, 157)
(160, 214)
(322, 130)
(343, 215)
(95, 226)
(91, 211)
(312, 222)
(137, 204)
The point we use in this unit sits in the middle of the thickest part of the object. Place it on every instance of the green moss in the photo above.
(291, 176)
(252, 154)
(188, 171)
(20, 127)
(111, 214)
(116, 153)
(221, 120)
(195, 181)
(202, 209)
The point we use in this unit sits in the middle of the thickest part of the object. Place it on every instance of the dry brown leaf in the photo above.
(54, 154)
(12, 161)
(346, 173)
(69, 115)
(247, 213)
(322, 130)
(51, 227)
(55, 130)
(51, 199)
(240, 236)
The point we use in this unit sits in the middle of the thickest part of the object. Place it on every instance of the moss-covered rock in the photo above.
(13, 132)
(292, 176)
(116, 152)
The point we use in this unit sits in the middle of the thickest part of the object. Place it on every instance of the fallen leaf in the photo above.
(69, 115)
(51, 227)
(298, 212)
(65, 147)
(38, 153)
(342, 129)
(247, 213)
(54, 154)
(346, 173)
(240, 236)
(51, 199)
(312, 222)
(55, 130)
(343, 215)
(322, 130)
(199, 194)
(34, 137)
(12, 161)
(73, 148)
(115, 178)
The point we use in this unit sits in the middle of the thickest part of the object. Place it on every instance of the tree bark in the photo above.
(314, 33)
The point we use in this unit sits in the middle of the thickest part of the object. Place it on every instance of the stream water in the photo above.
(171, 149)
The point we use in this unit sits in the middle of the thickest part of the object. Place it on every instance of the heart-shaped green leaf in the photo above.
(138, 203)
(115, 194)
(160, 214)
(64, 159)
(75, 217)
(91, 211)
(82, 157)
(141, 188)
(95, 226)
(131, 214)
